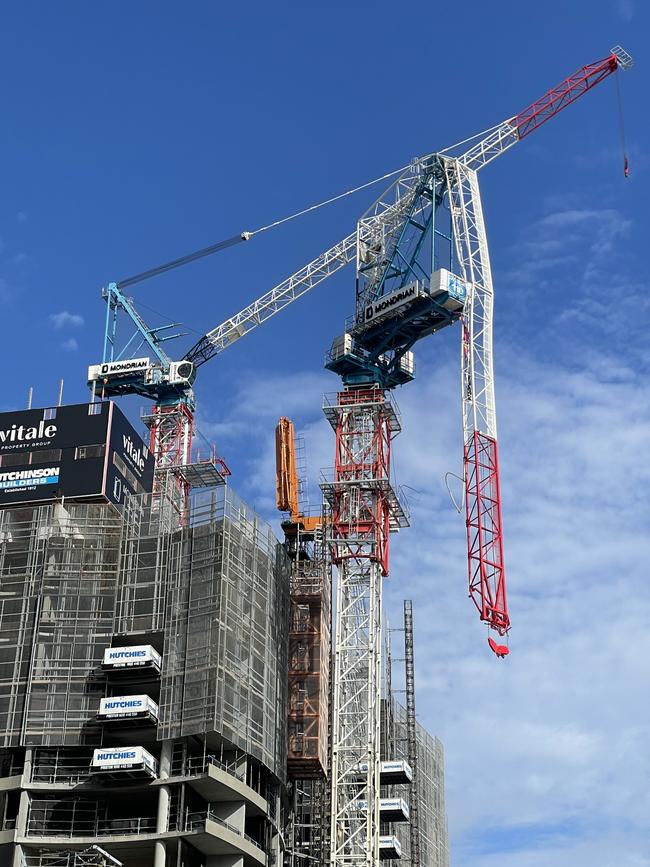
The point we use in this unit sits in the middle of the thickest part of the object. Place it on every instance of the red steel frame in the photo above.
(564, 94)
(487, 579)
(170, 434)
(361, 510)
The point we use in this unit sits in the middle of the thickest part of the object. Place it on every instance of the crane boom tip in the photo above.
(623, 59)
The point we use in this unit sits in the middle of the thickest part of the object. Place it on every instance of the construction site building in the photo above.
(143, 682)
(165, 690)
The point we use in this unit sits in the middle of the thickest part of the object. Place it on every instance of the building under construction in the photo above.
(164, 665)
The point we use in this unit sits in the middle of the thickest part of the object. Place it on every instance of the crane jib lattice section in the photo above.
(487, 586)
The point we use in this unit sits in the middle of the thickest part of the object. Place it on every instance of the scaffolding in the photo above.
(94, 856)
(307, 838)
(58, 577)
(74, 576)
(309, 660)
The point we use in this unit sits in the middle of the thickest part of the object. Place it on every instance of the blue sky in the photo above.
(133, 133)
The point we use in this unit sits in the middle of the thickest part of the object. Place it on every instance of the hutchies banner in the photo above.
(85, 451)
(123, 758)
(134, 656)
(127, 706)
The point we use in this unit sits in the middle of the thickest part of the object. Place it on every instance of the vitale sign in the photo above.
(85, 451)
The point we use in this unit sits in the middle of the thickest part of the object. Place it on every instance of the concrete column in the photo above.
(160, 854)
(166, 753)
(225, 861)
(162, 818)
(23, 807)
(18, 856)
(27, 768)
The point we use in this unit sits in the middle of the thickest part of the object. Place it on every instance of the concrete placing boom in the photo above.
(286, 480)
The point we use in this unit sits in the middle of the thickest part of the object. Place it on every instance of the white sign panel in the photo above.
(127, 705)
(124, 759)
(118, 757)
(123, 657)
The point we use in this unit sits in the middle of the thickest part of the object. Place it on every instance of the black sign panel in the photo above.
(68, 451)
(130, 464)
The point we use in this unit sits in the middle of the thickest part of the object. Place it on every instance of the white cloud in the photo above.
(626, 9)
(70, 345)
(564, 237)
(66, 320)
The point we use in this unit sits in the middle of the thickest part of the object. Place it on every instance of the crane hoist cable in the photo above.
(619, 99)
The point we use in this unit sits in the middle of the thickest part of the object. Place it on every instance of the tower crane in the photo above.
(422, 264)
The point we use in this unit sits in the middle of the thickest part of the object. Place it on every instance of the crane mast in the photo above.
(403, 294)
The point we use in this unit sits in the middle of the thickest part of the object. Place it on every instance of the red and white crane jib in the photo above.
(487, 587)
(506, 134)
(483, 508)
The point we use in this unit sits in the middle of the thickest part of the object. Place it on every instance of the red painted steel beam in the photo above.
(487, 578)
(564, 94)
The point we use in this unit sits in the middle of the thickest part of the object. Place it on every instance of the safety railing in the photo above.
(214, 818)
(80, 824)
(196, 765)
(58, 766)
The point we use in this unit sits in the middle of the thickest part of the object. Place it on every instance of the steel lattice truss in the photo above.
(364, 422)
(170, 429)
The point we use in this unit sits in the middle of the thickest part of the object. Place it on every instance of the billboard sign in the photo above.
(137, 656)
(123, 759)
(85, 451)
(111, 369)
(127, 706)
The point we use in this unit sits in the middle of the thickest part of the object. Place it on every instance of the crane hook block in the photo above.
(501, 650)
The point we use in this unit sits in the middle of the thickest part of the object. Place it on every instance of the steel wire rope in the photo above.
(621, 122)
(247, 235)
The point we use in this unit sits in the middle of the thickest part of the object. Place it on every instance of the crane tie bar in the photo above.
(184, 260)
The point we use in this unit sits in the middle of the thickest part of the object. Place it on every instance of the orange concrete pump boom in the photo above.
(286, 477)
